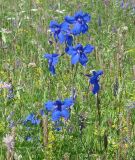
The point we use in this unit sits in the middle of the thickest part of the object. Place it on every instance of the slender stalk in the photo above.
(99, 117)
(45, 130)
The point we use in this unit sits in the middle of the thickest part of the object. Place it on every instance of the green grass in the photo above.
(24, 39)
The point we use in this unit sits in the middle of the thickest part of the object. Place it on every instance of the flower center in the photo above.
(80, 20)
(79, 51)
(57, 30)
(59, 107)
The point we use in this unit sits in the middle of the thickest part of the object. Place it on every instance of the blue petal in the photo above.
(52, 69)
(88, 48)
(79, 47)
(69, 40)
(61, 37)
(84, 28)
(55, 59)
(30, 117)
(78, 14)
(76, 29)
(48, 56)
(64, 26)
(55, 55)
(75, 58)
(83, 59)
(96, 88)
(68, 102)
(49, 106)
(56, 115)
(86, 17)
(70, 19)
(94, 79)
(53, 25)
(100, 72)
(58, 102)
(65, 113)
(71, 50)
(35, 121)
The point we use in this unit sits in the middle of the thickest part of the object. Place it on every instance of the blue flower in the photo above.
(10, 93)
(79, 21)
(32, 119)
(52, 61)
(28, 138)
(94, 80)
(79, 53)
(59, 108)
(61, 32)
(42, 113)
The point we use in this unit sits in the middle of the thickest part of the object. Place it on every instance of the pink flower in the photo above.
(5, 85)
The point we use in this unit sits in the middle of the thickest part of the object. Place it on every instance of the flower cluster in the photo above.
(64, 33)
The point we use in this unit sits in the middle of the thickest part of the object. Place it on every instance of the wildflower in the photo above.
(33, 119)
(61, 32)
(59, 108)
(5, 85)
(94, 80)
(28, 138)
(42, 112)
(10, 93)
(52, 61)
(79, 53)
(9, 142)
(11, 124)
(124, 5)
(79, 21)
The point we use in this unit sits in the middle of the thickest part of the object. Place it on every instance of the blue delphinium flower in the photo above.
(94, 80)
(79, 21)
(52, 61)
(59, 108)
(61, 32)
(79, 53)
(32, 119)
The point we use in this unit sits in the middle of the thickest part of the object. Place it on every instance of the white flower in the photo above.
(9, 142)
